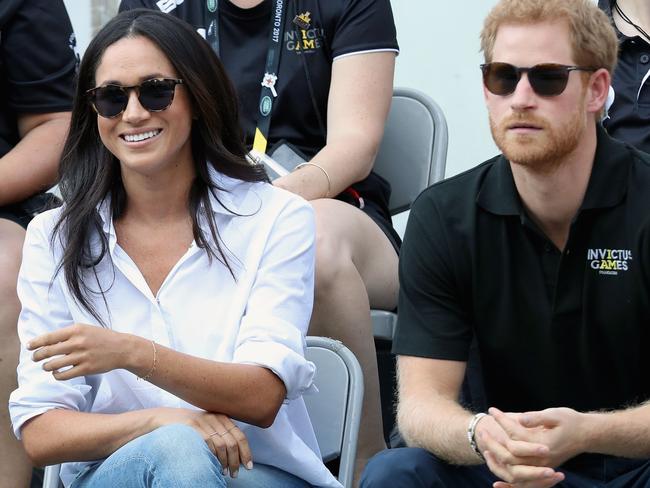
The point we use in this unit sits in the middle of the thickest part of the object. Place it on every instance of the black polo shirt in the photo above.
(553, 328)
(629, 115)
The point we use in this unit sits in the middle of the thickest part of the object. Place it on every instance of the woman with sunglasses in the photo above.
(165, 305)
(328, 98)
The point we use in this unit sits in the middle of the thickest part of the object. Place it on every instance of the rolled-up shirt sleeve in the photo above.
(272, 331)
(44, 309)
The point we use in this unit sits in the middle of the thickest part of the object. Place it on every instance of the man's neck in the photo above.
(552, 199)
(638, 11)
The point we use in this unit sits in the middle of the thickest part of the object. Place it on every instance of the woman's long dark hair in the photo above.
(89, 172)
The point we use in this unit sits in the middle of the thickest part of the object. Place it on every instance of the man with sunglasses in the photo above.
(540, 255)
(628, 114)
(37, 67)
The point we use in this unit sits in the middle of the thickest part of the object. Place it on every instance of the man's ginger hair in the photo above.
(593, 39)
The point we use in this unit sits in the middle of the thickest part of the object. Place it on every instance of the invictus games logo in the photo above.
(609, 261)
(307, 38)
(303, 20)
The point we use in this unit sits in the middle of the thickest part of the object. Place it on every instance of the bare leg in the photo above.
(356, 268)
(15, 470)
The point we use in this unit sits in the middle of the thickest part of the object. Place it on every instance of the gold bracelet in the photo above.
(153, 366)
(329, 182)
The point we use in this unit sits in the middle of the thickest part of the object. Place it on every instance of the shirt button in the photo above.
(644, 59)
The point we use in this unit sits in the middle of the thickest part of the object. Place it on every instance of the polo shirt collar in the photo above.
(498, 193)
(609, 175)
(607, 183)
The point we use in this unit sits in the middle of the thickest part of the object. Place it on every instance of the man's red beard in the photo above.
(543, 150)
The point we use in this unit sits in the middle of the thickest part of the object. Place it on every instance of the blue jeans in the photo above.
(417, 468)
(176, 456)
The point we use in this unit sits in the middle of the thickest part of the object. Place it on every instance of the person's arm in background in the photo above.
(32, 165)
(360, 95)
(38, 60)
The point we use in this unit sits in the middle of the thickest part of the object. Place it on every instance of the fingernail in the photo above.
(249, 465)
(234, 474)
(225, 471)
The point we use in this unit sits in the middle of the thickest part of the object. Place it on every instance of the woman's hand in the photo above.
(84, 349)
(223, 437)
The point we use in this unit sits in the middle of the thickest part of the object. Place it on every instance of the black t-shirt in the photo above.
(629, 115)
(37, 62)
(336, 28)
(553, 328)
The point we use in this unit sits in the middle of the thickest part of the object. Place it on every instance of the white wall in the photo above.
(79, 12)
(439, 43)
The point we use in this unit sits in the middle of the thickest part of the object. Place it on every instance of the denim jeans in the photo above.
(176, 456)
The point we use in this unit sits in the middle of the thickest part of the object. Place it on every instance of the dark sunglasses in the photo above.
(547, 80)
(155, 95)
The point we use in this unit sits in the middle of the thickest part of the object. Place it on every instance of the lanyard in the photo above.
(268, 92)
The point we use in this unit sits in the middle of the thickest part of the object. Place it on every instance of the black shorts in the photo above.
(372, 210)
(371, 196)
(23, 212)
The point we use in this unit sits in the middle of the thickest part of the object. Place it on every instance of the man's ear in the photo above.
(597, 90)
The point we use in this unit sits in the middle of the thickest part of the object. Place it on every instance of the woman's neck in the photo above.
(638, 11)
(159, 197)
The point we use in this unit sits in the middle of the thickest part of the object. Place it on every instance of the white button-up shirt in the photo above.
(260, 318)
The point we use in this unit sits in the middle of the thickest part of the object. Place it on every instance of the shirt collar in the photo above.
(498, 193)
(232, 196)
(608, 180)
(607, 183)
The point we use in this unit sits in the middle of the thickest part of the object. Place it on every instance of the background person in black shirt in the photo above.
(334, 89)
(629, 114)
(37, 65)
(542, 256)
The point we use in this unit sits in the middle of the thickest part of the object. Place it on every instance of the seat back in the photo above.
(51, 477)
(335, 411)
(413, 152)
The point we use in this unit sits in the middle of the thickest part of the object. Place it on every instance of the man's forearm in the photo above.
(32, 165)
(624, 433)
(438, 425)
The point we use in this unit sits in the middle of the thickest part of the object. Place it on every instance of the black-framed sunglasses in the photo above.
(155, 95)
(547, 79)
